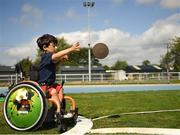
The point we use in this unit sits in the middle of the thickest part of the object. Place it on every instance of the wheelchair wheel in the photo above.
(25, 107)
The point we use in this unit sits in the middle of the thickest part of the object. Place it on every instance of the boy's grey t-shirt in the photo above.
(47, 69)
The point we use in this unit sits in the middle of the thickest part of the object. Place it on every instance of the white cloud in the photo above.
(146, 1)
(122, 45)
(170, 4)
(14, 54)
(71, 13)
(117, 1)
(31, 10)
(134, 49)
(31, 16)
(107, 23)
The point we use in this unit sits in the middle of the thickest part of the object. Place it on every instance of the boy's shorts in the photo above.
(58, 87)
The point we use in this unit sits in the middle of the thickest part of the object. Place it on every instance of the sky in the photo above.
(133, 30)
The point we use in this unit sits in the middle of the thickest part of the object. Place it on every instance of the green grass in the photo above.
(94, 105)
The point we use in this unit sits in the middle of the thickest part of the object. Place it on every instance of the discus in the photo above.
(100, 50)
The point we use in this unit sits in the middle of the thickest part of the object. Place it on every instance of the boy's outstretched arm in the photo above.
(60, 54)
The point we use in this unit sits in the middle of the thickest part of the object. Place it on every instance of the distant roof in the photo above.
(81, 68)
(6, 68)
(143, 68)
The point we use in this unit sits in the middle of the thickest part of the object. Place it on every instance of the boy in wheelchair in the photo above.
(47, 69)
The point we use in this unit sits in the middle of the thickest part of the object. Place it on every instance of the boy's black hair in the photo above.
(46, 39)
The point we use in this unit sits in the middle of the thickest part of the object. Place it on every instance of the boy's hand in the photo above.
(76, 47)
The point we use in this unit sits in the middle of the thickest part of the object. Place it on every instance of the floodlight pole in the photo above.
(89, 4)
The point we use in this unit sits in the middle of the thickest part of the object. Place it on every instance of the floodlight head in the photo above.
(93, 4)
(88, 3)
(84, 4)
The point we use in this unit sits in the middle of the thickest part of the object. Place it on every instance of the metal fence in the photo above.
(102, 77)
(9, 78)
(115, 77)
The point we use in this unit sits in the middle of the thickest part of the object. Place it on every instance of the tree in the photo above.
(172, 58)
(38, 57)
(165, 61)
(146, 63)
(26, 64)
(106, 67)
(175, 53)
(119, 65)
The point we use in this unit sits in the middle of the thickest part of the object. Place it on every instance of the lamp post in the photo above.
(89, 4)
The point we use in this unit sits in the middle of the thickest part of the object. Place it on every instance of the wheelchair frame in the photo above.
(18, 109)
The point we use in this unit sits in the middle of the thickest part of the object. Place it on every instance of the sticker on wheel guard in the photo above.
(23, 107)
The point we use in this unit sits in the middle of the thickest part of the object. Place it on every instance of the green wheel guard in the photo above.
(24, 106)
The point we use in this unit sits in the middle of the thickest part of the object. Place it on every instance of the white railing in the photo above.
(153, 76)
(113, 76)
(82, 77)
(102, 77)
(8, 78)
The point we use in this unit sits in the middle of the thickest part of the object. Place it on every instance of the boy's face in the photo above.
(51, 48)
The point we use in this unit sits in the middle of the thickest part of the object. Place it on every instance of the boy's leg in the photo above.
(58, 115)
(55, 98)
(62, 100)
(61, 94)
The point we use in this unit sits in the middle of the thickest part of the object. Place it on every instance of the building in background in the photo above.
(7, 70)
(143, 69)
(81, 69)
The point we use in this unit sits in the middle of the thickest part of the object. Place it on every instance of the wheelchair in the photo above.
(26, 107)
